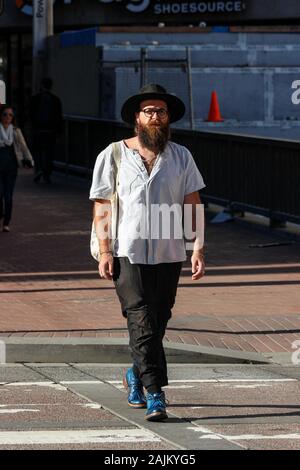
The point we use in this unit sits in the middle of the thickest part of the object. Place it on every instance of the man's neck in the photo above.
(135, 144)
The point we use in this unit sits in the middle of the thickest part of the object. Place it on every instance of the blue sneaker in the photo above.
(156, 407)
(134, 386)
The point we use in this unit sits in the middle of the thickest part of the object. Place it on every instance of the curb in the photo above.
(115, 350)
(281, 358)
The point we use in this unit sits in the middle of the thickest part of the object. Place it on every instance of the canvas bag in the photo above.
(94, 243)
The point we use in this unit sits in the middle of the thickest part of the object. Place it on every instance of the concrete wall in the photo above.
(251, 72)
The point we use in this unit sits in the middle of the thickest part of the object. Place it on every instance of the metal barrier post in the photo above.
(143, 66)
(86, 149)
(67, 147)
(190, 86)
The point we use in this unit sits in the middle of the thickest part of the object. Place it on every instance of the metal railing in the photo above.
(246, 173)
(146, 64)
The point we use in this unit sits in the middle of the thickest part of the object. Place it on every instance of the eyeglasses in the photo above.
(7, 114)
(149, 112)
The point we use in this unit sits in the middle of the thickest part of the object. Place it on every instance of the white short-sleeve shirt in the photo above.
(173, 176)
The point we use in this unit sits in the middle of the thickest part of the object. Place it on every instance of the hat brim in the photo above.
(131, 106)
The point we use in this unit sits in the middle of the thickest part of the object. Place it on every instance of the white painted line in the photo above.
(38, 384)
(176, 387)
(87, 405)
(14, 411)
(257, 380)
(253, 437)
(118, 383)
(93, 406)
(37, 404)
(76, 437)
(114, 382)
(208, 434)
(200, 429)
(17, 384)
(193, 381)
(251, 386)
(79, 382)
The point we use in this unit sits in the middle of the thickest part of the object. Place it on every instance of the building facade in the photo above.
(126, 15)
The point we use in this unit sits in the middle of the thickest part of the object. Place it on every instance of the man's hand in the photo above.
(106, 266)
(198, 265)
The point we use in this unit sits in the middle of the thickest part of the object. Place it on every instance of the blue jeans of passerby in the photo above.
(8, 176)
(7, 184)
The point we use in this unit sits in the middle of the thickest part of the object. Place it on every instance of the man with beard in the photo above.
(145, 268)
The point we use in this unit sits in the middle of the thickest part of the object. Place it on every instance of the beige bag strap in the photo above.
(116, 152)
(94, 244)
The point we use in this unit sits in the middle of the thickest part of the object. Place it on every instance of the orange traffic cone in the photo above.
(214, 111)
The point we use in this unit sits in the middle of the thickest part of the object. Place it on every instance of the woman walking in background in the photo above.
(14, 153)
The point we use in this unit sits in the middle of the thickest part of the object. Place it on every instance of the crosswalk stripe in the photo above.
(76, 437)
(71, 382)
(117, 382)
(251, 437)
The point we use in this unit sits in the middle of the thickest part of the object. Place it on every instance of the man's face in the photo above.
(152, 125)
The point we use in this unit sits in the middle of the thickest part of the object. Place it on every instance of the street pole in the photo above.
(50, 15)
(190, 87)
(42, 29)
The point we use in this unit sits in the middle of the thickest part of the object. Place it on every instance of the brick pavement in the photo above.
(248, 301)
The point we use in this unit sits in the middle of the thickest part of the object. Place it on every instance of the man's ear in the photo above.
(137, 122)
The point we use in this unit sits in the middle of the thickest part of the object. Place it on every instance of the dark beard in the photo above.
(153, 137)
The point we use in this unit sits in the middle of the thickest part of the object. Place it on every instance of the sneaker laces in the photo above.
(160, 401)
(135, 383)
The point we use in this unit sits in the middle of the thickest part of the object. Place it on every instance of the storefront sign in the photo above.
(158, 7)
(135, 6)
(26, 6)
(69, 14)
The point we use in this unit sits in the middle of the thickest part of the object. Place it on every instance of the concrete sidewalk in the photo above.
(248, 302)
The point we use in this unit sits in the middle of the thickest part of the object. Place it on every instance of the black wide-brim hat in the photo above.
(152, 91)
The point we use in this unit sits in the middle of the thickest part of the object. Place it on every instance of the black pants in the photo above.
(7, 183)
(43, 147)
(147, 294)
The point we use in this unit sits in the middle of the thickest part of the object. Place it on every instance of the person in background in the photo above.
(13, 154)
(46, 117)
